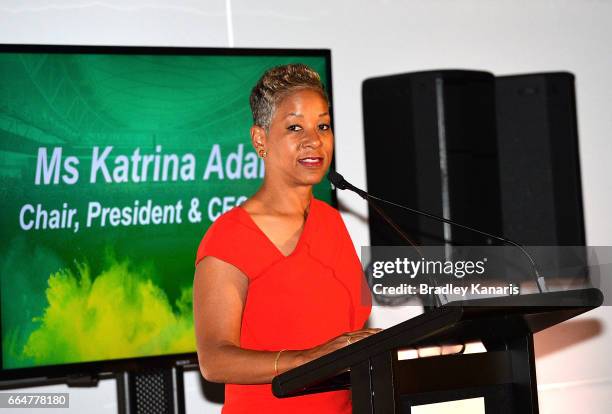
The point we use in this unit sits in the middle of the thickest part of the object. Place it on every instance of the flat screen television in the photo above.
(114, 161)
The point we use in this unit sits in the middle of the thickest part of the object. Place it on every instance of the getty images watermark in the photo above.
(435, 275)
(427, 269)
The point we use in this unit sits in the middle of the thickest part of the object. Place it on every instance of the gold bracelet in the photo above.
(276, 361)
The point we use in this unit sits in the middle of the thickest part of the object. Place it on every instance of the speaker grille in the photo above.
(151, 394)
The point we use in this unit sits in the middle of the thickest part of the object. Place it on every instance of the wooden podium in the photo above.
(504, 375)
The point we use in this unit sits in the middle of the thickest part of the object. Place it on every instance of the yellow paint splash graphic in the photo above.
(120, 314)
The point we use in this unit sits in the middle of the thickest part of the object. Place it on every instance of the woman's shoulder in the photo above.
(230, 218)
(327, 212)
(223, 235)
(233, 225)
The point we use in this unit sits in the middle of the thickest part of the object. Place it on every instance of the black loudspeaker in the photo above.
(539, 164)
(430, 141)
(540, 170)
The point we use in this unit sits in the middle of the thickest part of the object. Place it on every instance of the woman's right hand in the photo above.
(336, 343)
(348, 338)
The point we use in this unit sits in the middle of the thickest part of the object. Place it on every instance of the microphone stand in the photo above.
(340, 183)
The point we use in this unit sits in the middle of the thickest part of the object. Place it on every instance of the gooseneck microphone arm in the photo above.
(339, 182)
(435, 299)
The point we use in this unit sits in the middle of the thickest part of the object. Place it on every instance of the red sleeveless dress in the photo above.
(293, 302)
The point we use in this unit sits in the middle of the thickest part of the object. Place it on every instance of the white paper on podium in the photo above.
(468, 406)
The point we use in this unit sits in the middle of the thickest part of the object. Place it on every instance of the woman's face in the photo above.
(299, 142)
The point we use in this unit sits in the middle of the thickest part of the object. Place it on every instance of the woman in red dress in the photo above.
(278, 282)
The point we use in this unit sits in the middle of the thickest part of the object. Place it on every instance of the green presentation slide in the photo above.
(112, 167)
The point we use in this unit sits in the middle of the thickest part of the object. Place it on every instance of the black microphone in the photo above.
(339, 182)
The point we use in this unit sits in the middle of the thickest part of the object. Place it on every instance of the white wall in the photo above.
(370, 38)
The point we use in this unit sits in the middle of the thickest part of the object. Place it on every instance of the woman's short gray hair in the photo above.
(278, 82)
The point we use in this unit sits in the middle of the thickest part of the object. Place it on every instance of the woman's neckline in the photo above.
(269, 241)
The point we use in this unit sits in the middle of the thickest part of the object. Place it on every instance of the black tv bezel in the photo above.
(60, 373)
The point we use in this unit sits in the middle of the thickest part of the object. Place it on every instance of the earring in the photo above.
(263, 153)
